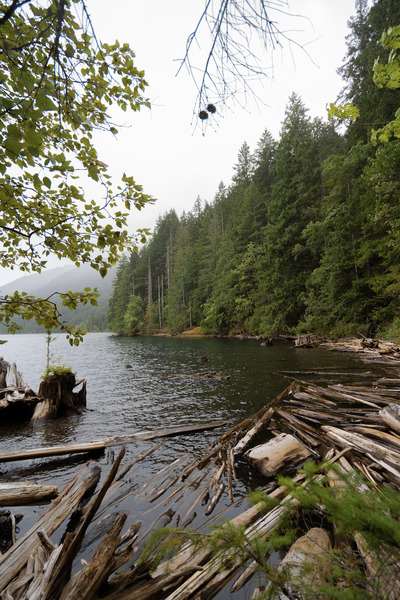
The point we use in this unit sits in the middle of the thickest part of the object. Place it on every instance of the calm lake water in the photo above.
(158, 391)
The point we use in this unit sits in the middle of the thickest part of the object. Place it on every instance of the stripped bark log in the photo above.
(391, 416)
(304, 567)
(102, 444)
(281, 452)
(52, 451)
(250, 435)
(86, 583)
(21, 494)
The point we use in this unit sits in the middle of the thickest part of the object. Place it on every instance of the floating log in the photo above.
(281, 452)
(102, 444)
(211, 375)
(21, 494)
(52, 451)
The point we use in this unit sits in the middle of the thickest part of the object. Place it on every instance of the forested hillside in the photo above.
(306, 237)
(46, 285)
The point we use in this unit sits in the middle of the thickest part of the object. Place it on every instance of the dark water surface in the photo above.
(158, 391)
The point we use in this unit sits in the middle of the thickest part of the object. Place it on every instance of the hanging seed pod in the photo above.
(203, 114)
(211, 108)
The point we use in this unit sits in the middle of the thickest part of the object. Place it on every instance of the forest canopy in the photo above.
(307, 236)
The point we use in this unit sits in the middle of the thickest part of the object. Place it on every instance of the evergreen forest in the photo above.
(305, 239)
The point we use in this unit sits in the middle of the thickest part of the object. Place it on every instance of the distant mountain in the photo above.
(64, 279)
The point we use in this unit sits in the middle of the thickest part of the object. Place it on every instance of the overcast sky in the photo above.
(162, 148)
(172, 158)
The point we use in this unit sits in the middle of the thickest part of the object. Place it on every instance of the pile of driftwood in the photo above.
(355, 424)
(371, 349)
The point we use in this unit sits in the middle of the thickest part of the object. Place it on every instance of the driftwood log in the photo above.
(20, 494)
(304, 567)
(282, 451)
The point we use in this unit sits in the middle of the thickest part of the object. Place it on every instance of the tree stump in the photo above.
(59, 398)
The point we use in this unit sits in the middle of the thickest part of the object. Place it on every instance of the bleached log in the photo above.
(245, 441)
(215, 498)
(21, 494)
(304, 566)
(51, 451)
(283, 451)
(376, 450)
(219, 570)
(391, 416)
(188, 553)
(14, 560)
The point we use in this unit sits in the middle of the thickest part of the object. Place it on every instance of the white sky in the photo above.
(161, 147)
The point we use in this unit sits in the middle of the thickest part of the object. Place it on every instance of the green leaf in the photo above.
(12, 145)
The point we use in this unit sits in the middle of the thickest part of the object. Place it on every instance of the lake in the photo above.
(159, 391)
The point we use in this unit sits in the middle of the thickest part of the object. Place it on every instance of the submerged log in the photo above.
(281, 452)
(211, 375)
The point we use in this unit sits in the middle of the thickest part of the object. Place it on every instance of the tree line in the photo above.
(306, 237)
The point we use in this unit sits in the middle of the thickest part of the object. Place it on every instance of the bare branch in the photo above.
(242, 33)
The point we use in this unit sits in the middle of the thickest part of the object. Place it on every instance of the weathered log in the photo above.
(361, 443)
(381, 435)
(388, 382)
(391, 416)
(188, 553)
(102, 444)
(220, 569)
(29, 582)
(20, 494)
(245, 441)
(13, 561)
(298, 426)
(304, 567)
(215, 499)
(143, 454)
(281, 452)
(86, 583)
(73, 541)
(52, 451)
